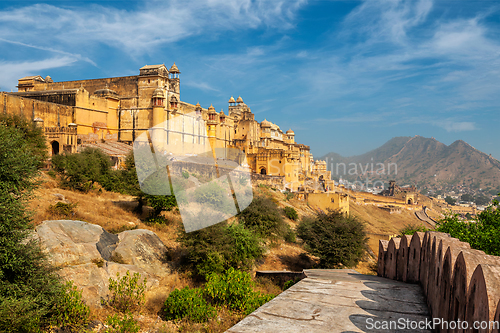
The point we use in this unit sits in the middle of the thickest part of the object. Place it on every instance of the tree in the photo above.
(467, 197)
(481, 200)
(80, 171)
(483, 234)
(449, 200)
(29, 287)
(334, 237)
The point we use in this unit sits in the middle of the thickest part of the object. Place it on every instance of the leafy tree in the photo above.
(334, 237)
(481, 200)
(31, 134)
(467, 197)
(450, 201)
(263, 216)
(29, 287)
(483, 234)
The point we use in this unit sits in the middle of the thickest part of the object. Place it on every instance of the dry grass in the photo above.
(115, 213)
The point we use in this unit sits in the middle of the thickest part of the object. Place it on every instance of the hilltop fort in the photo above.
(111, 113)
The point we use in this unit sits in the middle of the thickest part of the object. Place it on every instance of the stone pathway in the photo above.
(341, 300)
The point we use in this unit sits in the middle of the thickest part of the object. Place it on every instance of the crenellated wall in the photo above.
(459, 283)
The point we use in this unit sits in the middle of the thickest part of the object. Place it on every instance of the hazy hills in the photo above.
(421, 161)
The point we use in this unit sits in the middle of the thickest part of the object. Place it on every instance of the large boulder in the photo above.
(70, 242)
(89, 255)
(144, 249)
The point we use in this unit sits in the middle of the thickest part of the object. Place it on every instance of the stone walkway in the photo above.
(341, 300)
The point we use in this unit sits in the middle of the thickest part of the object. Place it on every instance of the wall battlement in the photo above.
(459, 283)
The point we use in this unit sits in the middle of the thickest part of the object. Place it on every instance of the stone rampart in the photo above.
(460, 284)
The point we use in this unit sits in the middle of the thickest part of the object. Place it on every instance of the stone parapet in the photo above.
(460, 284)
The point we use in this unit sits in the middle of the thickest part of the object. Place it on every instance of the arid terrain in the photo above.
(115, 213)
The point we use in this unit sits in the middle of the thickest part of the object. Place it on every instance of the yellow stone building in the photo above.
(120, 109)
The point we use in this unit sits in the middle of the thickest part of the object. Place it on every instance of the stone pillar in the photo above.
(382, 256)
(414, 250)
(391, 263)
(483, 296)
(402, 258)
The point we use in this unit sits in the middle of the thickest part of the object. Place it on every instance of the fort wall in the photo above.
(459, 283)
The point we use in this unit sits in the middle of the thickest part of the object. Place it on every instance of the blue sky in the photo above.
(347, 76)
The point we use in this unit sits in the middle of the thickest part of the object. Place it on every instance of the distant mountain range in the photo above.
(421, 161)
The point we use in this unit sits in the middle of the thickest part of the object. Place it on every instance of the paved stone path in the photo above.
(341, 301)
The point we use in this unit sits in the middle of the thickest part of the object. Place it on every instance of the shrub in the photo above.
(185, 174)
(288, 195)
(127, 292)
(214, 197)
(99, 262)
(62, 209)
(483, 234)
(218, 247)
(234, 289)
(81, 171)
(119, 324)
(449, 200)
(263, 216)
(334, 237)
(290, 235)
(72, 310)
(291, 213)
(288, 284)
(188, 303)
(410, 229)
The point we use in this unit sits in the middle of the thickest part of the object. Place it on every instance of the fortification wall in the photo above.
(460, 284)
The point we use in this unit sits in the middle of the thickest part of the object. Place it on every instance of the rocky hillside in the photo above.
(424, 161)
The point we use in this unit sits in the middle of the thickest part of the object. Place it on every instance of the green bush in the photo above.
(483, 234)
(33, 136)
(29, 286)
(291, 213)
(263, 216)
(128, 292)
(234, 289)
(290, 235)
(188, 303)
(119, 324)
(62, 209)
(185, 174)
(72, 310)
(288, 195)
(288, 284)
(449, 200)
(334, 237)
(218, 247)
(410, 229)
(82, 171)
(214, 197)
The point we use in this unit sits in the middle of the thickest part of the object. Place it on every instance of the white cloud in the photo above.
(137, 31)
(457, 126)
(12, 71)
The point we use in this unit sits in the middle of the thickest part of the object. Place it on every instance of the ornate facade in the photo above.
(122, 108)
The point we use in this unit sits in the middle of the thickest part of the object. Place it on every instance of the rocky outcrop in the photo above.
(89, 255)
